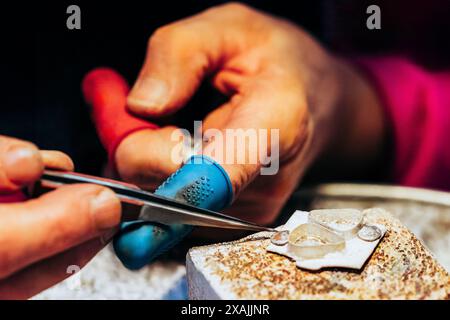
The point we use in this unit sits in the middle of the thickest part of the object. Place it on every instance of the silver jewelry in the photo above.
(369, 233)
(280, 238)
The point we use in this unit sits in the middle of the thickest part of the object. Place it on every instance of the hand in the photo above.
(277, 77)
(41, 238)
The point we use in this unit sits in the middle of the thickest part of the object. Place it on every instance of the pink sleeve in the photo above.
(417, 105)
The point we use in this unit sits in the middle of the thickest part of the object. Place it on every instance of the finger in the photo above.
(57, 160)
(271, 126)
(106, 91)
(179, 55)
(275, 190)
(20, 164)
(148, 157)
(39, 228)
(139, 243)
(218, 118)
(46, 273)
(199, 182)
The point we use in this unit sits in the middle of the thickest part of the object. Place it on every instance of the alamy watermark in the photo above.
(74, 282)
(230, 146)
(73, 21)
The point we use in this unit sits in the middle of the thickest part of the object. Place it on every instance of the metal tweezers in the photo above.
(138, 204)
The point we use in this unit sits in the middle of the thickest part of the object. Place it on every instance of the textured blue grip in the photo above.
(200, 182)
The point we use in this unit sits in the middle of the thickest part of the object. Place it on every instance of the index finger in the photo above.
(36, 229)
(20, 164)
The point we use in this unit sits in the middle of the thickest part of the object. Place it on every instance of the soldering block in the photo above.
(401, 267)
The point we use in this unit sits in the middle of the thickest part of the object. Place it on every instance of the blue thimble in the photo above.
(200, 182)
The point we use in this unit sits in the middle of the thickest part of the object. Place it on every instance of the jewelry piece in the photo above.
(345, 222)
(280, 238)
(310, 241)
(369, 233)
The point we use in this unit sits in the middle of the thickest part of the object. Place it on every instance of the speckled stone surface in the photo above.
(105, 278)
(400, 268)
(430, 223)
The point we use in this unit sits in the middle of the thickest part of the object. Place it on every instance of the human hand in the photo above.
(41, 238)
(277, 77)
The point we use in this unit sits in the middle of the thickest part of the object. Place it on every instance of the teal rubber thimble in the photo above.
(200, 182)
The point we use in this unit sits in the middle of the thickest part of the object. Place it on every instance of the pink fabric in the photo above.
(417, 104)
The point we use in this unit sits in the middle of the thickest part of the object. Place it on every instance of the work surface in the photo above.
(106, 278)
(400, 268)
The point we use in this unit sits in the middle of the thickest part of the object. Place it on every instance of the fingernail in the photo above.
(106, 209)
(149, 93)
(16, 159)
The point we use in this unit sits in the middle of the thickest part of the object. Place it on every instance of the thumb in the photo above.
(22, 163)
(179, 56)
(257, 130)
(36, 229)
(170, 75)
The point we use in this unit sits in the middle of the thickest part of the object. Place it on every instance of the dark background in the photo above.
(45, 62)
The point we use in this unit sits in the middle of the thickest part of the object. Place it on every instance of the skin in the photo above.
(277, 77)
(40, 238)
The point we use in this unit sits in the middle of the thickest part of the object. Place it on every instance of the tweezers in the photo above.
(138, 204)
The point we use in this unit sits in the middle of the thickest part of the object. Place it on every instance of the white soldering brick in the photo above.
(400, 268)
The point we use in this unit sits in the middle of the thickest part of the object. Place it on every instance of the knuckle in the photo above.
(76, 196)
(9, 141)
(129, 163)
(232, 10)
(142, 165)
(23, 157)
(172, 34)
(159, 36)
(29, 146)
(161, 33)
(238, 7)
(31, 155)
(73, 202)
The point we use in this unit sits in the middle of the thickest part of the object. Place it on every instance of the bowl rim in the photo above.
(377, 191)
